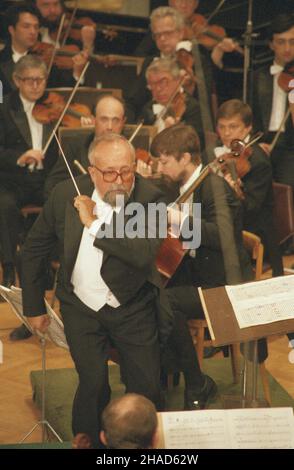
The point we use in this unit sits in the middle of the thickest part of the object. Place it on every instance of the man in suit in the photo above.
(23, 23)
(218, 260)
(163, 79)
(109, 117)
(108, 287)
(234, 121)
(22, 139)
(270, 101)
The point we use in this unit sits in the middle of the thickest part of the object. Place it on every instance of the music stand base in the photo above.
(45, 435)
(235, 402)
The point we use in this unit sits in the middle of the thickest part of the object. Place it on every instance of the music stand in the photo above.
(55, 333)
(224, 329)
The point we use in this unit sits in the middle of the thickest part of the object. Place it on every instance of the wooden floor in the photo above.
(17, 412)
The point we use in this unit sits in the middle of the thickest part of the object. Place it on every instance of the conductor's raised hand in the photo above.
(85, 207)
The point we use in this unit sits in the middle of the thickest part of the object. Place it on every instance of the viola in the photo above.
(52, 106)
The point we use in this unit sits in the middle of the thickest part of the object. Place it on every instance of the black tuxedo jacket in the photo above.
(15, 139)
(262, 108)
(127, 265)
(211, 267)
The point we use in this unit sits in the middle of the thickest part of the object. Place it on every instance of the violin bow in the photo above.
(32, 166)
(80, 167)
(165, 109)
(66, 107)
(56, 42)
(215, 11)
(138, 128)
(278, 133)
(70, 23)
(66, 163)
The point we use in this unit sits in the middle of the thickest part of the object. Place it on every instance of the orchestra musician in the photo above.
(21, 141)
(163, 78)
(269, 103)
(177, 152)
(234, 121)
(108, 287)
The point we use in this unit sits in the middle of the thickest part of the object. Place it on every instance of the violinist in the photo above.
(109, 118)
(234, 121)
(21, 141)
(23, 27)
(270, 98)
(177, 152)
(163, 78)
(167, 26)
(50, 12)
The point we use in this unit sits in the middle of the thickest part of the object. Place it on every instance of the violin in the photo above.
(207, 35)
(51, 108)
(63, 56)
(286, 76)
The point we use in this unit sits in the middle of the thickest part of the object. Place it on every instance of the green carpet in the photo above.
(61, 385)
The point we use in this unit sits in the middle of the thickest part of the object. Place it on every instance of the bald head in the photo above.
(129, 422)
(110, 115)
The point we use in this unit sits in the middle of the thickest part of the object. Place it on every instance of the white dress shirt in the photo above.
(36, 128)
(86, 278)
(279, 100)
(17, 55)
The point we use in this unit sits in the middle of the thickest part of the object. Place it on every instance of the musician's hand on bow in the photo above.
(226, 45)
(88, 35)
(266, 148)
(39, 323)
(30, 156)
(170, 121)
(144, 169)
(87, 121)
(85, 207)
(79, 62)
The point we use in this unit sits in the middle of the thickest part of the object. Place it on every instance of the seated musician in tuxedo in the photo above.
(21, 141)
(164, 79)
(220, 258)
(23, 26)
(50, 12)
(108, 286)
(234, 121)
(109, 117)
(168, 28)
(270, 100)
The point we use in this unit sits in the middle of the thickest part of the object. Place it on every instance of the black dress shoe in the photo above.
(199, 400)
(20, 333)
(8, 275)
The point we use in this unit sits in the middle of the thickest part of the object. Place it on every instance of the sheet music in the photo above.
(262, 302)
(268, 428)
(55, 331)
(263, 428)
(194, 429)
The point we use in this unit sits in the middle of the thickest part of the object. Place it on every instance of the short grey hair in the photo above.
(110, 137)
(163, 12)
(164, 65)
(29, 61)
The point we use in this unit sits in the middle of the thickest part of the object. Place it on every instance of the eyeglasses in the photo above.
(110, 176)
(163, 83)
(31, 80)
(167, 34)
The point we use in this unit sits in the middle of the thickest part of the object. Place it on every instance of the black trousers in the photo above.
(132, 330)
